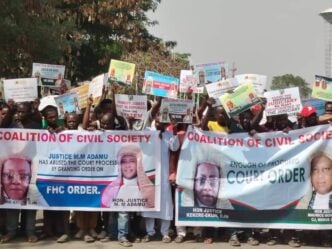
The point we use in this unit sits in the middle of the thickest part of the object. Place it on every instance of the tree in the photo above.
(158, 59)
(81, 34)
(108, 28)
(289, 80)
(30, 32)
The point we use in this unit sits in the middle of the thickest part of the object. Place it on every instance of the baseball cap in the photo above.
(256, 108)
(307, 111)
(47, 101)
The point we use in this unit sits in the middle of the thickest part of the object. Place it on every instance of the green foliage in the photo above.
(29, 33)
(168, 63)
(289, 80)
(83, 35)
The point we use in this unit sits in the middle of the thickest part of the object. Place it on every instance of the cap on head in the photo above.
(307, 111)
(256, 108)
(47, 101)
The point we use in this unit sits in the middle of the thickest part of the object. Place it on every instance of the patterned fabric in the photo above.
(312, 200)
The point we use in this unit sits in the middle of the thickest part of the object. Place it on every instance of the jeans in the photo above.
(164, 227)
(112, 226)
(12, 218)
(123, 218)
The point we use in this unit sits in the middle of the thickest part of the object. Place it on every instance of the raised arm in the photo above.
(257, 117)
(86, 116)
(114, 88)
(155, 108)
(202, 107)
(207, 116)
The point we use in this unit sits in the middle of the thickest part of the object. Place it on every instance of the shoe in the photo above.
(124, 242)
(171, 232)
(234, 240)
(326, 239)
(32, 238)
(8, 237)
(148, 238)
(327, 243)
(43, 236)
(272, 241)
(208, 241)
(106, 239)
(252, 241)
(102, 235)
(294, 242)
(93, 233)
(79, 234)
(166, 239)
(88, 238)
(63, 238)
(137, 240)
(199, 238)
(179, 239)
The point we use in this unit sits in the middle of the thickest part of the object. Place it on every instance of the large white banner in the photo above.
(270, 180)
(118, 170)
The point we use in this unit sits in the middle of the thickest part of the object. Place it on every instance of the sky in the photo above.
(270, 37)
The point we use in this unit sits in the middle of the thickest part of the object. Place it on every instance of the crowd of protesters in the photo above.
(127, 227)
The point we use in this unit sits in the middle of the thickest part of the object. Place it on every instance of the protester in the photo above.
(71, 122)
(277, 123)
(136, 220)
(85, 221)
(132, 183)
(308, 116)
(181, 231)
(207, 176)
(169, 142)
(24, 121)
(327, 115)
(111, 121)
(215, 120)
(3, 111)
(249, 122)
(56, 223)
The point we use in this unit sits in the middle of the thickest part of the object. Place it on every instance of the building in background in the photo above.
(327, 15)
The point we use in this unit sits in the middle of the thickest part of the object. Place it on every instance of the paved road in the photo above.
(49, 244)
(20, 242)
(188, 244)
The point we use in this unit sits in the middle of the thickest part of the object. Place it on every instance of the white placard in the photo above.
(21, 90)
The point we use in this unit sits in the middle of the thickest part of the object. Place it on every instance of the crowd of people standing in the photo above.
(129, 227)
